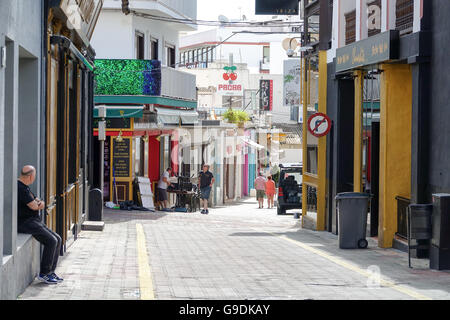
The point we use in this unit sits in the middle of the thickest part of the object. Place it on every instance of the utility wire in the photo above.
(267, 23)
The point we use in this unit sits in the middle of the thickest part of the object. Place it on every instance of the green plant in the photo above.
(236, 116)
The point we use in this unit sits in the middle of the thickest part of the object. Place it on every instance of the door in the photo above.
(52, 140)
(374, 177)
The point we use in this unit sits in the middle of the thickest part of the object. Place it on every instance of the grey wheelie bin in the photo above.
(352, 219)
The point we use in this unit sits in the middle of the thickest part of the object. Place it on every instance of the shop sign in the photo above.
(266, 95)
(230, 88)
(115, 123)
(319, 124)
(121, 158)
(278, 7)
(376, 49)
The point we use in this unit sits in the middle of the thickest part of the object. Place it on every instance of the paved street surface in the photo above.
(235, 252)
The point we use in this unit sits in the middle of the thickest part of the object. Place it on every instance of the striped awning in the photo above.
(173, 116)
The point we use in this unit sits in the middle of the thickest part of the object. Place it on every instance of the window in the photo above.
(153, 49)
(170, 55)
(139, 46)
(266, 54)
(350, 27)
(404, 16)
(212, 54)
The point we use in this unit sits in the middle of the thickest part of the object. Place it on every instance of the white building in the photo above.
(150, 31)
(256, 57)
(139, 35)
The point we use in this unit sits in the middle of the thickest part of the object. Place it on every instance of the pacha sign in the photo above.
(230, 88)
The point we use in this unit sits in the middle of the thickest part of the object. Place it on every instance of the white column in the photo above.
(418, 5)
(359, 19)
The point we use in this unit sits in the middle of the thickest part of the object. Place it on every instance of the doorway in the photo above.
(371, 146)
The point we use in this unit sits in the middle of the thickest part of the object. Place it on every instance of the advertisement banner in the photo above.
(229, 85)
(279, 7)
(266, 95)
(291, 83)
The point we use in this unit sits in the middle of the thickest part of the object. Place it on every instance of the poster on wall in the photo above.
(121, 158)
(266, 95)
(291, 83)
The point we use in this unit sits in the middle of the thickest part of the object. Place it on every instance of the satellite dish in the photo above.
(223, 19)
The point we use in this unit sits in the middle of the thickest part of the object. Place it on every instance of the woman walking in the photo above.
(270, 191)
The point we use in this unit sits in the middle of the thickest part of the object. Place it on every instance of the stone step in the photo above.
(93, 225)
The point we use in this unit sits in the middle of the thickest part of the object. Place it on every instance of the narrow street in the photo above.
(235, 252)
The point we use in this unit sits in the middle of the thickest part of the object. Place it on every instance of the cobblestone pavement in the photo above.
(235, 252)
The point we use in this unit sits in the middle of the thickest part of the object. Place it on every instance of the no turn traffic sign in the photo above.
(319, 124)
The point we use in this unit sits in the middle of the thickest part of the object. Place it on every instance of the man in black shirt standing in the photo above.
(205, 181)
(29, 221)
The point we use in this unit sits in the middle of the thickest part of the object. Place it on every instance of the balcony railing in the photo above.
(130, 77)
(127, 77)
(402, 212)
(178, 84)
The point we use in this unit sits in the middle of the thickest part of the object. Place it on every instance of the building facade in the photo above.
(137, 70)
(21, 135)
(381, 69)
(47, 92)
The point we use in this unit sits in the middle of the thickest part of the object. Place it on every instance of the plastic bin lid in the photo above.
(352, 195)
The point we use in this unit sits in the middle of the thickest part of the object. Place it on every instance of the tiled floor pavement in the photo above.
(235, 252)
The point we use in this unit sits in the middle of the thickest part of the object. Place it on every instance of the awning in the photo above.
(252, 143)
(173, 116)
(121, 111)
(66, 43)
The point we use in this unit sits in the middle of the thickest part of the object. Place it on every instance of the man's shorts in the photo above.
(161, 194)
(205, 192)
(260, 194)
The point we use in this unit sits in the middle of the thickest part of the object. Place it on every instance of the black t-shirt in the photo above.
(205, 178)
(24, 196)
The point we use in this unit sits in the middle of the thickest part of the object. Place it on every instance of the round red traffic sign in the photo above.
(319, 124)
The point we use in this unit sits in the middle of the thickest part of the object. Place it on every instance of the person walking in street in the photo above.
(275, 173)
(205, 182)
(270, 191)
(161, 189)
(260, 186)
(29, 222)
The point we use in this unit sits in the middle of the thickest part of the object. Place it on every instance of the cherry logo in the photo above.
(230, 73)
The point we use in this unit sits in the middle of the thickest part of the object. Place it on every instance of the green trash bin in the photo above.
(352, 219)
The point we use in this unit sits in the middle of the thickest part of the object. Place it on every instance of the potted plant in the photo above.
(239, 117)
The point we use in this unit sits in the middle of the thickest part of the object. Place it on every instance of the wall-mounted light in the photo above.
(119, 137)
(3, 57)
(145, 137)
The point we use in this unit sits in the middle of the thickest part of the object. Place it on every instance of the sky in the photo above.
(211, 9)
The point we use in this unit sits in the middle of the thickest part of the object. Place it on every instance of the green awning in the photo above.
(121, 111)
(162, 101)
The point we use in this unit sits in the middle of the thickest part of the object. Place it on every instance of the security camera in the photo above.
(290, 52)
